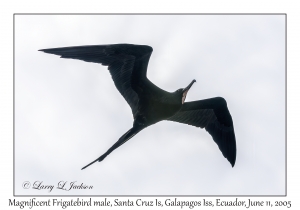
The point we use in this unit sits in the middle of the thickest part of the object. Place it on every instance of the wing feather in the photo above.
(213, 115)
(126, 63)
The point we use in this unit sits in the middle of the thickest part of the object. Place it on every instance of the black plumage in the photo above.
(127, 65)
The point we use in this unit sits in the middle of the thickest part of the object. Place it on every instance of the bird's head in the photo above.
(182, 92)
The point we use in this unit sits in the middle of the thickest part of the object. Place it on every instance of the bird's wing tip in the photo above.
(232, 162)
(43, 50)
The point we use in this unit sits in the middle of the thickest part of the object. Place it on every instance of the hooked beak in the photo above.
(185, 91)
(189, 86)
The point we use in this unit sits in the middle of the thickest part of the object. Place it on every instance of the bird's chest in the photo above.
(156, 111)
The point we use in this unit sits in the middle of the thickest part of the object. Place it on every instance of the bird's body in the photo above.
(127, 64)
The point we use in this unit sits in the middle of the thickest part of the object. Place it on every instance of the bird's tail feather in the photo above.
(128, 135)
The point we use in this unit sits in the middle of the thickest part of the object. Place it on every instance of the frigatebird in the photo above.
(127, 64)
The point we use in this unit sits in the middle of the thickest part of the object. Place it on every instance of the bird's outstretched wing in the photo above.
(213, 115)
(127, 65)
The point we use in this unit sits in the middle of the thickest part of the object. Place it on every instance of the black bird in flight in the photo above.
(127, 64)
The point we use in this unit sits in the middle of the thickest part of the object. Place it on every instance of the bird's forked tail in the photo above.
(128, 135)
